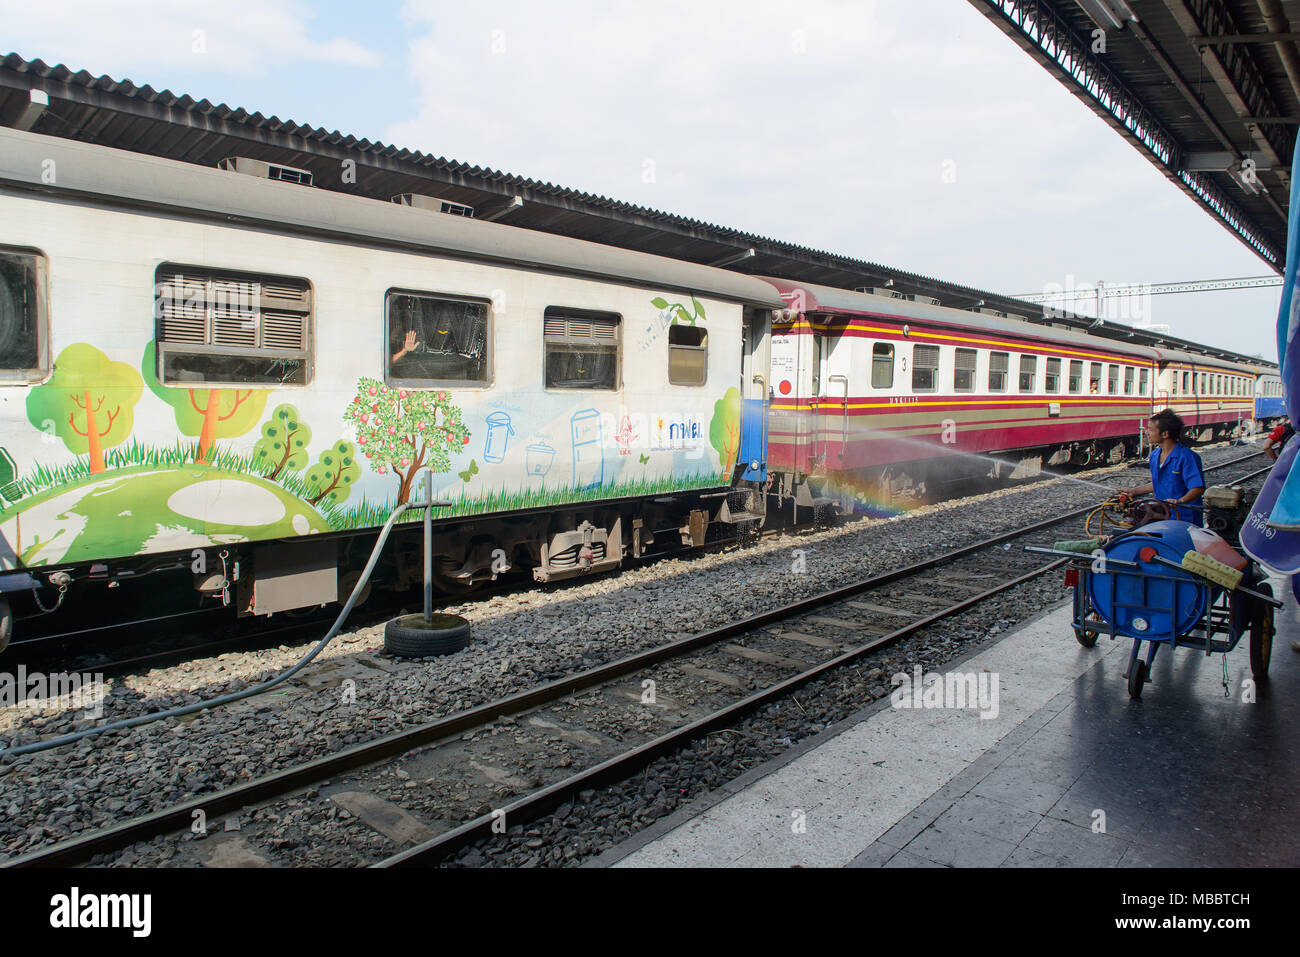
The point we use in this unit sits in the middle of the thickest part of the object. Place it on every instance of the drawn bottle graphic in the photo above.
(498, 435)
(588, 457)
(538, 459)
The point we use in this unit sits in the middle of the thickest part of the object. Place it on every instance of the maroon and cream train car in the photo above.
(1214, 397)
(877, 394)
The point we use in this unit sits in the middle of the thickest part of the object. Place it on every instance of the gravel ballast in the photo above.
(353, 693)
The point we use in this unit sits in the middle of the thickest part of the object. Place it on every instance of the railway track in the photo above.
(440, 786)
(129, 655)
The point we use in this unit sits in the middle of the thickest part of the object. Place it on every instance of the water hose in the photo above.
(13, 752)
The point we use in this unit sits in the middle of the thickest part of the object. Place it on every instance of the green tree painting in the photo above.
(724, 428)
(332, 476)
(89, 402)
(283, 445)
(211, 413)
(405, 430)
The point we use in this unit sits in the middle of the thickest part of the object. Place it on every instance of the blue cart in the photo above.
(1139, 586)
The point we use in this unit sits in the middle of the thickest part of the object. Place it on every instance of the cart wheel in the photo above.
(1137, 676)
(1085, 637)
(1261, 635)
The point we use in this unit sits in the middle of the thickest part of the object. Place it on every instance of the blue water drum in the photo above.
(1142, 606)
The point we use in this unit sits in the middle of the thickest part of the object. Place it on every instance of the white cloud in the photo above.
(249, 37)
(826, 124)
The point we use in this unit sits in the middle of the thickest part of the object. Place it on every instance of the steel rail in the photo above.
(178, 817)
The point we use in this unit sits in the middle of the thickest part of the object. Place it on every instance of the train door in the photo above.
(755, 390)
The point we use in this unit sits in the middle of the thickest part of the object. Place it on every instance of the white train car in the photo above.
(201, 370)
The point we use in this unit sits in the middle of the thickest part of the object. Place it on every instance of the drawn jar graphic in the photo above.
(498, 435)
(538, 459)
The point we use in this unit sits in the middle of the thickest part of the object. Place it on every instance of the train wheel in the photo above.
(1137, 676)
(1261, 635)
(412, 637)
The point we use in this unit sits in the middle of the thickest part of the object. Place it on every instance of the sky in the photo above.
(911, 134)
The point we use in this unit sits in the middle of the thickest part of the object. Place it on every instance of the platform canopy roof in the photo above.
(57, 101)
(1207, 90)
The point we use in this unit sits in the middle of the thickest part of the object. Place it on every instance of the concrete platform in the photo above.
(1069, 773)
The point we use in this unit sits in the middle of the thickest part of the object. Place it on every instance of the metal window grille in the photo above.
(582, 349)
(1028, 373)
(226, 328)
(925, 368)
(999, 367)
(964, 373)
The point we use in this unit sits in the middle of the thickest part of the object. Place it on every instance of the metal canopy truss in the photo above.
(1154, 289)
(1180, 84)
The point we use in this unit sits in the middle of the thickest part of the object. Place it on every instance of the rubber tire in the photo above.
(1137, 677)
(1261, 635)
(1085, 637)
(409, 637)
(6, 623)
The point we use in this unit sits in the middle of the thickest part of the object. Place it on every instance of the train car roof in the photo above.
(1174, 355)
(831, 299)
(102, 174)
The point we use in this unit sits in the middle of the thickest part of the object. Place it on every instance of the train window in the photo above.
(1053, 376)
(688, 354)
(582, 349)
(1201, 390)
(231, 328)
(999, 365)
(1128, 380)
(24, 315)
(1076, 375)
(436, 340)
(925, 368)
(1173, 383)
(1094, 378)
(1028, 372)
(1112, 379)
(882, 365)
(1143, 377)
(964, 374)
(1187, 388)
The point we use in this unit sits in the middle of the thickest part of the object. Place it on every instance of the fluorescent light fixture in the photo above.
(1108, 14)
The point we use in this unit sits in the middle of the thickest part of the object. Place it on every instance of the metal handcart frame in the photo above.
(1229, 613)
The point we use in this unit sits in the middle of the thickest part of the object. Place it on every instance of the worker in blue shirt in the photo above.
(1175, 469)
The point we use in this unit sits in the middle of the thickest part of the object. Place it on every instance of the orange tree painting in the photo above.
(89, 402)
(724, 429)
(209, 412)
(405, 430)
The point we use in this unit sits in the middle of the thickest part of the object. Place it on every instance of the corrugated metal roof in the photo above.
(100, 174)
(124, 115)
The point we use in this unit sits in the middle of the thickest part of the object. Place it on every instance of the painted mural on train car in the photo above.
(246, 464)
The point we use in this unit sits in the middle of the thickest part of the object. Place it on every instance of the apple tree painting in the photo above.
(405, 430)
(724, 429)
(208, 412)
(89, 402)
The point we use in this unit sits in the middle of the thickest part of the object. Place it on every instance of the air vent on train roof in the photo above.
(993, 312)
(434, 204)
(927, 300)
(264, 170)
